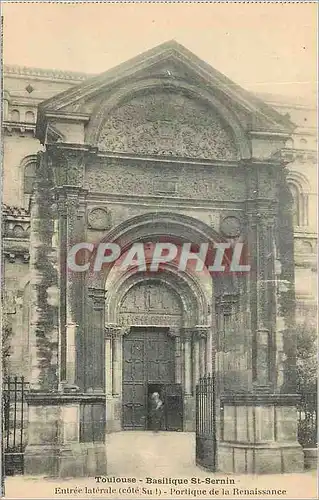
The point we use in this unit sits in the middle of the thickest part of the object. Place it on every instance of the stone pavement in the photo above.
(148, 453)
(160, 455)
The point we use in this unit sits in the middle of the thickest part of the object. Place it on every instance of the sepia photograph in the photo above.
(159, 250)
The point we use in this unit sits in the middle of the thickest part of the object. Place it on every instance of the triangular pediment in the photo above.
(171, 65)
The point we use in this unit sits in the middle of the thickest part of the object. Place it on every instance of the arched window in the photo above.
(29, 117)
(29, 177)
(299, 205)
(15, 115)
(295, 204)
(290, 144)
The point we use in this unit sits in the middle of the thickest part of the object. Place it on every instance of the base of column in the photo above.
(258, 434)
(259, 459)
(113, 414)
(66, 434)
(76, 460)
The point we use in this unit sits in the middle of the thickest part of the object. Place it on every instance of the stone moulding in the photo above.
(255, 399)
(48, 399)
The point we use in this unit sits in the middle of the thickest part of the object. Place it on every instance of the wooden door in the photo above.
(173, 407)
(148, 357)
(134, 373)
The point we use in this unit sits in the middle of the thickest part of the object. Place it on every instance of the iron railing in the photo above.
(206, 422)
(14, 422)
(308, 419)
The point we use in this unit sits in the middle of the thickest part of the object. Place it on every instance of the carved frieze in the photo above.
(117, 177)
(167, 123)
(99, 218)
(128, 319)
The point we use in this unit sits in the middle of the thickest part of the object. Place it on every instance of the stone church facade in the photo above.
(163, 146)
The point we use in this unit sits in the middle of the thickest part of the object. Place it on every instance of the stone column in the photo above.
(176, 334)
(189, 399)
(196, 354)
(95, 343)
(187, 342)
(71, 209)
(261, 221)
(202, 354)
(118, 360)
(108, 361)
(113, 376)
(67, 165)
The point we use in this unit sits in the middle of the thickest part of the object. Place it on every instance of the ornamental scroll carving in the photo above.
(167, 123)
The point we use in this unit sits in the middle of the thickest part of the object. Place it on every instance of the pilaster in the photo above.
(95, 343)
(67, 167)
(44, 292)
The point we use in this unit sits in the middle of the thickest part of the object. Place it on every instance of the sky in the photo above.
(262, 47)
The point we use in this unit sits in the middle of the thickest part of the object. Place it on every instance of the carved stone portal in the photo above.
(167, 123)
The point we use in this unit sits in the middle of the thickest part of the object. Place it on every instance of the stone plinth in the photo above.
(258, 434)
(62, 440)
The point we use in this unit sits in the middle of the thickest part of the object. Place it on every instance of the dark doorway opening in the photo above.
(172, 399)
(148, 367)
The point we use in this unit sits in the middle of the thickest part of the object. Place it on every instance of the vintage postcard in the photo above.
(159, 250)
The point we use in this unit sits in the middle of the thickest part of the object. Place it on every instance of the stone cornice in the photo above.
(259, 399)
(170, 201)
(22, 127)
(51, 74)
(302, 155)
(74, 117)
(168, 160)
(57, 398)
(269, 133)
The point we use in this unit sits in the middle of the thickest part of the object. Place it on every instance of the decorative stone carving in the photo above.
(174, 332)
(67, 165)
(117, 177)
(112, 331)
(149, 319)
(98, 297)
(167, 123)
(230, 226)
(99, 218)
(151, 297)
(201, 331)
(150, 304)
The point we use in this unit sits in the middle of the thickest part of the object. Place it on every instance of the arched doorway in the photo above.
(155, 345)
(150, 356)
(181, 306)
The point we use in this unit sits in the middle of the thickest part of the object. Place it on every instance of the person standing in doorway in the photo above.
(156, 412)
